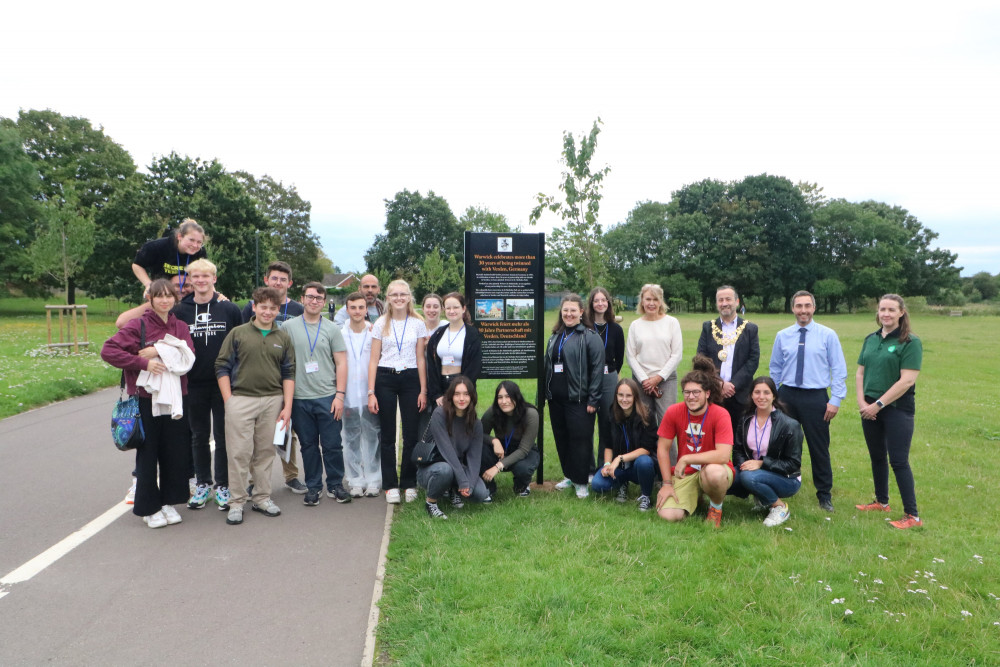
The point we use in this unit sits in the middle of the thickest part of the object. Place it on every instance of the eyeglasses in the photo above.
(313, 297)
(399, 295)
(693, 393)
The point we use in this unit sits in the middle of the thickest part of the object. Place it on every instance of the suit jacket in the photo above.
(746, 355)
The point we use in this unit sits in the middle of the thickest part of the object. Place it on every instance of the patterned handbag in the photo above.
(126, 423)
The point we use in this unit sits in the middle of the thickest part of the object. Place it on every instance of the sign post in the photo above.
(505, 291)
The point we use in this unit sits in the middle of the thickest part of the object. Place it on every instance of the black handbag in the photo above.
(425, 452)
(126, 423)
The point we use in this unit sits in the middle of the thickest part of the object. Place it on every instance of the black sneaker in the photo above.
(456, 500)
(340, 494)
(311, 499)
(523, 492)
(295, 486)
(826, 505)
(434, 511)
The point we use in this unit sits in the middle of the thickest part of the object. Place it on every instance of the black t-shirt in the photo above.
(162, 259)
(208, 324)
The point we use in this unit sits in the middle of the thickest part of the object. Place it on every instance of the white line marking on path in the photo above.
(60, 549)
(368, 657)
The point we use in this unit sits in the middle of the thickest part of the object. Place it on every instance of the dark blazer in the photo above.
(746, 355)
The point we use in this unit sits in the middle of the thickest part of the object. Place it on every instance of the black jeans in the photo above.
(403, 387)
(522, 470)
(207, 413)
(573, 431)
(167, 450)
(890, 434)
(807, 407)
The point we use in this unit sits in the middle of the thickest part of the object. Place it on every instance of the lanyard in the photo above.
(628, 445)
(284, 315)
(399, 340)
(350, 339)
(606, 327)
(312, 343)
(182, 275)
(563, 342)
(696, 440)
(506, 441)
(452, 340)
(758, 436)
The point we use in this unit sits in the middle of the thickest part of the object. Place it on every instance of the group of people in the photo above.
(733, 433)
(201, 367)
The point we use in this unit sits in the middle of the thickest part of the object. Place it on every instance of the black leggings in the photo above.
(403, 387)
(890, 434)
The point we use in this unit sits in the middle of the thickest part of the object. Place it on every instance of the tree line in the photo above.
(74, 210)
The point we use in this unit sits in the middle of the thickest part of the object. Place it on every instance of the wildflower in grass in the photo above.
(848, 612)
(877, 581)
(788, 529)
(944, 588)
(828, 589)
(837, 601)
(966, 613)
(969, 486)
(882, 557)
(937, 560)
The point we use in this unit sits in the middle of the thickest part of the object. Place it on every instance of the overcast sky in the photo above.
(352, 102)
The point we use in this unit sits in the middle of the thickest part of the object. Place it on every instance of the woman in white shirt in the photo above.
(397, 373)
(452, 350)
(654, 349)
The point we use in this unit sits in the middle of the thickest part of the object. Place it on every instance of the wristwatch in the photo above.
(879, 403)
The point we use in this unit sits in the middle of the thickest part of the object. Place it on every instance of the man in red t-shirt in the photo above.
(704, 435)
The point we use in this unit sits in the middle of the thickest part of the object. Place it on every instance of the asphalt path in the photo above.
(295, 588)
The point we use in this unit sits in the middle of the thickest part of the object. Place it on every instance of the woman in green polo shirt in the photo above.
(886, 381)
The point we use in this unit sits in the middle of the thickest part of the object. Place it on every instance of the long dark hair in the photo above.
(704, 375)
(560, 326)
(765, 379)
(904, 318)
(609, 315)
(471, 416)
(502, 422)
(638, 407)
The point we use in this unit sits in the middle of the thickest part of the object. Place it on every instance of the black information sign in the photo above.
(505, 291)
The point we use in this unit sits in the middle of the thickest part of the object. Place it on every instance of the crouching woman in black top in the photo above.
(630, 455)
(767, 453)
(458, 436)
(510, 429)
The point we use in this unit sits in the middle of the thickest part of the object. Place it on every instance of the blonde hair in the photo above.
(411, 309)
(187, 226)
(202, 265)
(657, 291)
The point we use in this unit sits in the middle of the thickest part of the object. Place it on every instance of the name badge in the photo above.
(448, 361)
(605, 369)
(312, 366)
(557, 368)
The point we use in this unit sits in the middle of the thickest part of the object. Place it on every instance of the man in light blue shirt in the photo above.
(806, 361)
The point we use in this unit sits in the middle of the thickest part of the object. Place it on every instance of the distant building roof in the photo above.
(337, 280)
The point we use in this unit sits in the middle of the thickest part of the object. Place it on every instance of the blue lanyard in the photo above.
(628, 445)
(182, 275)
(350, 339)
(312, 343)
(758, 436)
(563, 342)
(399, 341)
(506, 441)
(606, 327)
(696, 440)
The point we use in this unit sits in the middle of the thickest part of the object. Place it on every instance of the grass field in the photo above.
(555, 580)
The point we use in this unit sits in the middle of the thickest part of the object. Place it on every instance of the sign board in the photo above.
(505, 291)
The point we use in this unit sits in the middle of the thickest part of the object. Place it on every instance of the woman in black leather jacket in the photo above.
(767, 453)
(574, 371)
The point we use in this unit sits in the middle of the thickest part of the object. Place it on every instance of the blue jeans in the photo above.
(766, 485)
(640, 472)
(439, 477)
(313, 422)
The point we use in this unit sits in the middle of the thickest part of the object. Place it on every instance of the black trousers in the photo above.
(573, 431)
(889, 436)
(206, 413)
(167, 450)
(807, 406)
(404, 388)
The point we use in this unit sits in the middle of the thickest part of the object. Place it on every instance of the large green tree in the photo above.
(415, 226)
(288, 217)
(20, 211)
(575, 250)
(79, 166)
(481, 219)
(635, 248)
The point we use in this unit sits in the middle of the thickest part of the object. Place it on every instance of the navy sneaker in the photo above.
(311, 499)
(340, 494)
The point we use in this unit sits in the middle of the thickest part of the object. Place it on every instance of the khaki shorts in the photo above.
(688, 490)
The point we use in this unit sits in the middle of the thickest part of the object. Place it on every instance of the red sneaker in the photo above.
(874, 506)
(714, 516)
(908, 521)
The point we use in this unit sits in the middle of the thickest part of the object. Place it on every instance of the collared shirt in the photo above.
(726, 370)
(825, 366)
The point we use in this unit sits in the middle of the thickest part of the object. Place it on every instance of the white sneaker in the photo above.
(130, 496)
(581, 490)
(565, 484)
(155, 520)
(357, 492)
(372, 491)
(392, 496)
(171, 514)
(777, 516)
(411, 495)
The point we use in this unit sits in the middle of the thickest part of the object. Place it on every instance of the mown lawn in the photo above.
(555, 580)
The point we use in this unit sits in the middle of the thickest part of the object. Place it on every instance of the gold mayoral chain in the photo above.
(723, 341)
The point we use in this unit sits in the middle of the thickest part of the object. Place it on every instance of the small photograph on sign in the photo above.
(505, 244)
(489, 309)
(521, 309)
